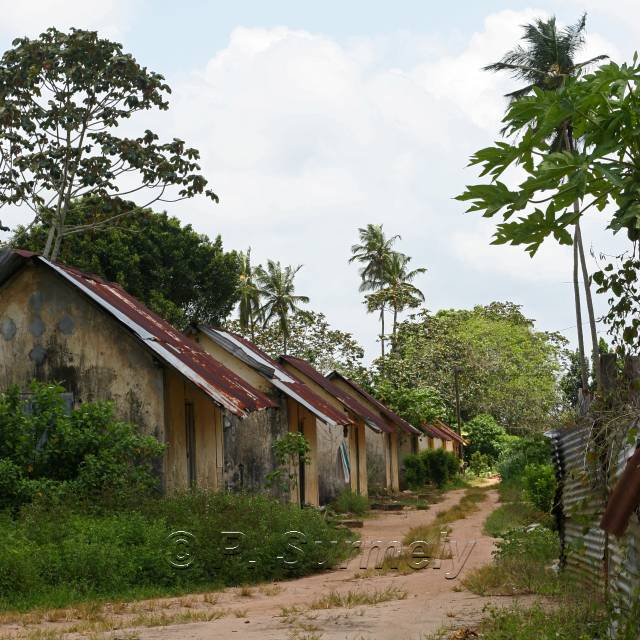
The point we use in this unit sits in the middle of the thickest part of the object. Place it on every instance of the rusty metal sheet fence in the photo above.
(586, 550)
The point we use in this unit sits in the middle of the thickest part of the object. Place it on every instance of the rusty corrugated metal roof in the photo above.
(169, 345)
(277, 375)
(347, 400)
(452, 435)
(390, 415)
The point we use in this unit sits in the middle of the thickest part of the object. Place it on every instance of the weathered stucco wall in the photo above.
(248, 452)
(376, 462)
(50, 332)
(331, 479)
(407, 445)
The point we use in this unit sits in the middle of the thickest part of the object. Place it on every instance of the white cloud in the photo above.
(31, 17)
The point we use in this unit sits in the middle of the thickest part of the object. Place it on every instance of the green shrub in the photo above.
(63, 555)
(86, 454)
(519, 452)
(349, 502)
(415, 474)
(540, 485)
(485, 436)
(480, 464)
(440, 465)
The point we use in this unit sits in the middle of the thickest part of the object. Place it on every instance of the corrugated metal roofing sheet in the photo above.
(169, 345)
(347, 400)
(394, 417)
(278, 375)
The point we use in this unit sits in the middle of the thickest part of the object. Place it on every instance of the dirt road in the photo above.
(432, 600)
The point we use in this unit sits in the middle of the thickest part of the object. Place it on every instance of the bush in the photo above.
(415, 473)
(519, 452)
(349, 502)
(440, 466)
(480, 464)
(75, 555)
(485, 436)
(86, 453)
(540, 485)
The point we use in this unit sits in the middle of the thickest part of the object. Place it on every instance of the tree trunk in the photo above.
(49, 244)
(284, 344)
(576, 293)
(595, 347)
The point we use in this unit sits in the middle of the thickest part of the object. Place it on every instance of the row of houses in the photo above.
(216, 400)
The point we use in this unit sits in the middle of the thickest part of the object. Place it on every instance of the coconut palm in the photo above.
(249, 306)
(276, 288)
(545, 61)
(373, 253)
(401, 292)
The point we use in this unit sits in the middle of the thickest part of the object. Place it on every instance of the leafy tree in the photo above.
(178, 273)
(374, 252)
(398, 291)
(507, 369)
(249, 307)
(416, 404)
(276, 289)
(62, 97)
(311, 338)
(545, 62)
(485, 436)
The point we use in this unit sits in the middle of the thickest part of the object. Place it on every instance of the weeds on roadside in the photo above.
(352, 599)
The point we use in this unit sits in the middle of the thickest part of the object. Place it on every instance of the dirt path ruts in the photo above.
(432, 601)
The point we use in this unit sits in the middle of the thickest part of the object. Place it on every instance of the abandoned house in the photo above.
(61, 325)
(367, 461)
(438, 435)
(400, 439)
(325, 426)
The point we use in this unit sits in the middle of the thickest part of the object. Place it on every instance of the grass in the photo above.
(56, 557)
(350, 599)
(349, 502)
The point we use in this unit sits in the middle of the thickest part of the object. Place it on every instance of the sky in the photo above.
(316, 118)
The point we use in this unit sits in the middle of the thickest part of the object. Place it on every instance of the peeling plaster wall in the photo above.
(50, 331)
(248, 447)
(376, 462)
(331, 471)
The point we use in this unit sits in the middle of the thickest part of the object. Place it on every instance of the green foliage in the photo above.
(485, 437)
(66, 555)
(178, 273)
(520, 452)
(312, 339)
(540, 484)
(440, 466)
(415, 473)
(480, 464)
(507, 369)
(350, 502)
(290, 450)
(62, 98)
(417, 405)
(86, 454)
(534, 542)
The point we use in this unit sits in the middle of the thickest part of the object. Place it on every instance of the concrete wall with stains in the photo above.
(331, 479)
(407, 445)
(248, 447)
(49, 331)
(376, 460)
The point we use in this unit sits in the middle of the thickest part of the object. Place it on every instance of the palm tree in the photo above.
(373, 252)
(545, 62)
(401, 292)
(276, 287)
(249, 307)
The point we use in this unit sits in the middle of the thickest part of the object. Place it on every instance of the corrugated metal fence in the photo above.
(587, 551)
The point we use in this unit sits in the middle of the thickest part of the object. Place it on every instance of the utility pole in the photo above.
(456, 379)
